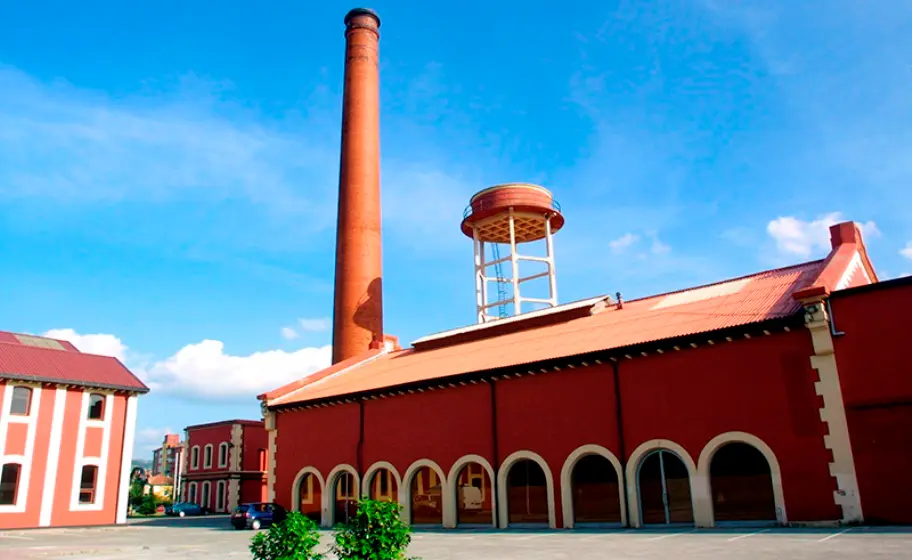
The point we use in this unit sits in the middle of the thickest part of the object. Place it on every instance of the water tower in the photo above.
(505, 218)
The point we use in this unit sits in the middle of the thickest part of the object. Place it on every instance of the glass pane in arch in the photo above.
(594, 484)
(742, 484)
(664, 487)
(310, 497)
(426, 497)
(527, 493)
(346, 498)
(383, 486)
(474, 496)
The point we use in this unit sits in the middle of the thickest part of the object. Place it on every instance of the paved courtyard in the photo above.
(211, 537)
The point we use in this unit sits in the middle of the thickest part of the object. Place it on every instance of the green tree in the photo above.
(294, 538)
(376, 532)
(136, 493)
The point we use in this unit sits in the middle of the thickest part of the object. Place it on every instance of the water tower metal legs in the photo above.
(482, 301)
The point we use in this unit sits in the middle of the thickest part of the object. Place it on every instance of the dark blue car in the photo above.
(257, 515)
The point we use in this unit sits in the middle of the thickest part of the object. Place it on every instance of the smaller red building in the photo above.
(225, 464)
(67, 422)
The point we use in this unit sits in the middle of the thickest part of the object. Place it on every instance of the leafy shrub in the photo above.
(375, 532)
(148, 505)
(294, 538)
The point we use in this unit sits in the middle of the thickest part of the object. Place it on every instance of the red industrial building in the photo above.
(225, 464)
(67, 425)
(776, 398)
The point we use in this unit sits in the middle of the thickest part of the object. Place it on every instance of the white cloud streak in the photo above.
(794, 236)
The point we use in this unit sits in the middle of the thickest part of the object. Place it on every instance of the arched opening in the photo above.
(426, 497)
(346, 498)
(527, 494)
(594, 486)
(310, 497)
(664, 489)
(474, 496)
(382, 486)
(742, 484)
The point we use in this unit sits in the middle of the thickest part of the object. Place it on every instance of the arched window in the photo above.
(192, 493)
(664, 487)
(207, 456)
(96, 406)
(223, 455)
(427, 497)
(527, 493)
(220, 496)
(474, 496)
(21, 403)
(309, 495)
(9, 484)
(88, 484)
(204, 497)
(195, 457)
(742, 484)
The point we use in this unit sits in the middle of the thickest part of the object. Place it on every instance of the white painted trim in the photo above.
(53, 458)
(372, 470)
(452, 505)
(567, 480)
(633, 470)
(405, 491)
(503, 508)
(207, 458)
(854, 264)
(296, 490)
(80, 460)
(220, 491)
(126, 454)
(194, 458)
(206, 489)
(329, 497)
(25, 460)
(703, 481)
(224, 445)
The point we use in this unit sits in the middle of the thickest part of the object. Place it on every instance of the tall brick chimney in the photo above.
(358, 305)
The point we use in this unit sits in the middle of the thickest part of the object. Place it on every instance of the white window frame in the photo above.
(17, 498)
(207, 456)
(220, 496)
(223, 445)
(194, 457)
(207, 491)
(193, 493)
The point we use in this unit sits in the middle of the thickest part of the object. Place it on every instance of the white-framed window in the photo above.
(220, 496)
(96, 406)
(195, 457)
(21, 403)
(223, 455)
(191, 493)
(204, 495)
(88, 484)
(9, 484)
(207, 456)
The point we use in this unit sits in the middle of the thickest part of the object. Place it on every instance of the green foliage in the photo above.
(136, 493)
(295, 538)
(374, 533)
(148, 505)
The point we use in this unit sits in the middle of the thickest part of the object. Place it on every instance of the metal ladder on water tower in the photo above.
(501, 281)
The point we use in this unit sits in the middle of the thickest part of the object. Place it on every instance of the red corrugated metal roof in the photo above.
(751, 299)
(21, 361)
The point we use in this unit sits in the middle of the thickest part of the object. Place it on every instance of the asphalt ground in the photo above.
(212, 537)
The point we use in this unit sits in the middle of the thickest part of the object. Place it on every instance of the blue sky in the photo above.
(168, 171)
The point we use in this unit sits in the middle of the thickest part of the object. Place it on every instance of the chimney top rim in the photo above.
(361, 12)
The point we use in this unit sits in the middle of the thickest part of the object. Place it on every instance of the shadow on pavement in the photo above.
(212, 522)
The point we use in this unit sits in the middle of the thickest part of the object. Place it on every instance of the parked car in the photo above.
(183, 509)
(257, 515)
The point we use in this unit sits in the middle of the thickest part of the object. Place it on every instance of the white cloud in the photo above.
(101, 344)
(289, 333)
(794, 236)
(623, 242)
(148, 439)
(659, 248)
(315, 325)
(907, 250)
(204, 369)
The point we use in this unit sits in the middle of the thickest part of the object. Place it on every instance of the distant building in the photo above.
(160, 486)
(164, 458)
(67, 421)
(224, 465)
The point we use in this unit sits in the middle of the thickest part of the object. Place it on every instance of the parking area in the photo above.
(211, 537)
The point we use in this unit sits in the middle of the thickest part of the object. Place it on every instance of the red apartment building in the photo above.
(67, 424)
(225, 464)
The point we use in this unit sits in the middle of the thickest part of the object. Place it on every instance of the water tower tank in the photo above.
(501, 219)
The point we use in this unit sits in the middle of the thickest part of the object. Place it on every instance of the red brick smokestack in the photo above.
(358, 305)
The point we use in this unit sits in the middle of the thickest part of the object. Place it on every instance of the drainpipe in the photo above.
(829, 310)
(622, 444)
(495, 452)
